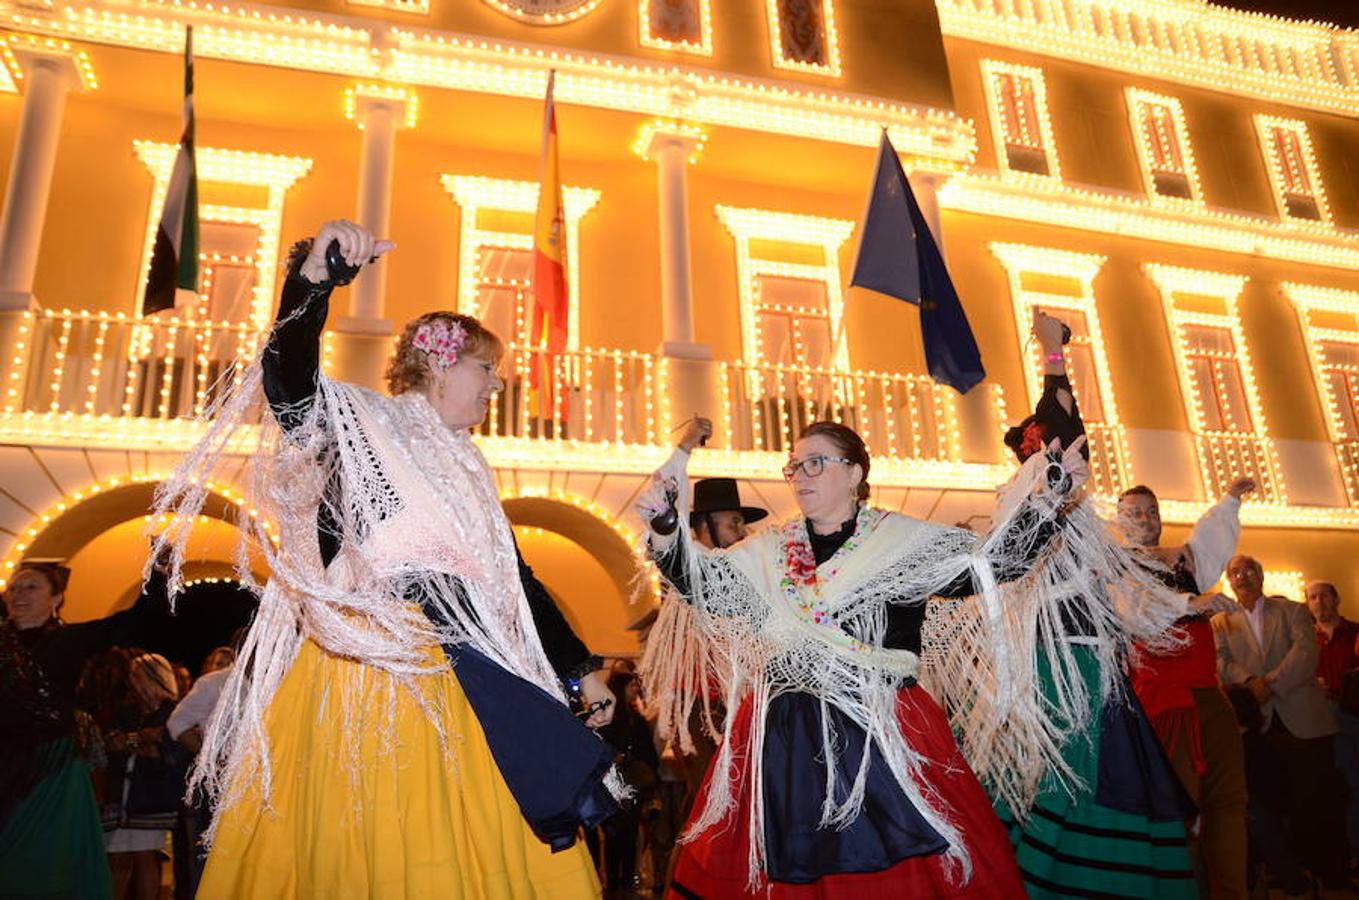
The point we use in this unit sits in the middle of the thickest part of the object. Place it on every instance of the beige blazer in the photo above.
(1287, 654)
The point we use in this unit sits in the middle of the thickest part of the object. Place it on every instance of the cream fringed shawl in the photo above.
(776, 636)
(418, 516)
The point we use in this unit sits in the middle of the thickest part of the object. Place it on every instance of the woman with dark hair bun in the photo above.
(840, 775)
(1143, 846)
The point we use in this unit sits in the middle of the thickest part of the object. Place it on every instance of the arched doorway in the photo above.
(588, 565)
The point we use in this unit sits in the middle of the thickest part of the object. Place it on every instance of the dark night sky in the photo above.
(1340, 12)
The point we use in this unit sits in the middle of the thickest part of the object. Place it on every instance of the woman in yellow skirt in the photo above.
(386, 731)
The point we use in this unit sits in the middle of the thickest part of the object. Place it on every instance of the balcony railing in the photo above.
(898, 416)
(1226, 455)
(593, 396)
(93, 365)
(90, 363)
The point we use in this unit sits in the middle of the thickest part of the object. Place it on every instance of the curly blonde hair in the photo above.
(409, 367)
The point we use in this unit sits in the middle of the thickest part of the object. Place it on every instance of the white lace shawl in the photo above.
(979, 654)
(417, 514)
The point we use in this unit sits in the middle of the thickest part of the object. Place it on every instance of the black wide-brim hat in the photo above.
(720, 495)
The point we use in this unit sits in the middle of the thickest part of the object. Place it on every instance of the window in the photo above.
(239, 225)
(1217, 380)
(169, 366)
(802, 36)
(788, 268)
(684, 25)
(1292, 169)
(495, 249)
(1163, 149)
(582, 394)
(1330, 328)
(1017, 101)
(788, 271)
(1061, 284)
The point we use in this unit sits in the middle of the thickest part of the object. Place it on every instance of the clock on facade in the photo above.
(545, 12)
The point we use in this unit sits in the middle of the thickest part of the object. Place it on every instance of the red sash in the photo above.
(1164, 683)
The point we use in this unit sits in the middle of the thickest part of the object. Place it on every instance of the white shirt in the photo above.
(197, 706)
(1256, 618)
(1213, 540)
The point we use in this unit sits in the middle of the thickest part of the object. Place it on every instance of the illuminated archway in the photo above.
(78, 517)
(596, 535)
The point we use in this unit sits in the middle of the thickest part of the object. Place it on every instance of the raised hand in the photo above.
(358, 247)
(1240, 487)
(696, 432)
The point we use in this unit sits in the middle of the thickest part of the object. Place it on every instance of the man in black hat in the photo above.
(717, 518)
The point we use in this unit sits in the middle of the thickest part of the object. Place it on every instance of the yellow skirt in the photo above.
(368, 803)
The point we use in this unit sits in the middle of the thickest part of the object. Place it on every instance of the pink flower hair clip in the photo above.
(442, 340)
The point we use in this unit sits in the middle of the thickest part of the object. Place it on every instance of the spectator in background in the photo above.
(185, 725)
(146, 774)
(1267, 808)
(1336, 639)
(636, 760)
(50, 839)
(1269, 646)
(1179, 691)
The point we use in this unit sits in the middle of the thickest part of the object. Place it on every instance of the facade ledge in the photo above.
(931, 139)
(1034, 198)
(1307, 64)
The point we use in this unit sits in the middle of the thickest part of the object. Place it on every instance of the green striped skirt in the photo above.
(1075, 846)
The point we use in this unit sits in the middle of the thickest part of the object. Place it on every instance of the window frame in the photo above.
(991, 71)
(1264, 127)
(1137, 100)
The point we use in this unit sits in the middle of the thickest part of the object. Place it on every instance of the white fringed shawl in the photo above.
(417, 514)
(980, 654)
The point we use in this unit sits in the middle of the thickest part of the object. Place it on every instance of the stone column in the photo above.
(691, 374)
(362, 339)
(49, 76)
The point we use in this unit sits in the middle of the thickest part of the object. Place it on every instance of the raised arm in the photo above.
(707, 579)
(1213, 540)
(1027, 523)
(292, 357)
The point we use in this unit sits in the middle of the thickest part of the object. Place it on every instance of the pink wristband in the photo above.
(1056, 357)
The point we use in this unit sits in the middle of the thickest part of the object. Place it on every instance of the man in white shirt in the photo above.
(1269, 646)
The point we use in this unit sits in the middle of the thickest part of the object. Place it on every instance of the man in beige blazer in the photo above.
(1268, 645)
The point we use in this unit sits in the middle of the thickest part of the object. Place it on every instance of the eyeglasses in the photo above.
(812, 465)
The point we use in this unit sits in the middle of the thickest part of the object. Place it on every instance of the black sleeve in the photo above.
(1056, 421)
(673, 567)
(290, 365)
(292, 357)
(1022, 544)
(137, 626)
(569, 656)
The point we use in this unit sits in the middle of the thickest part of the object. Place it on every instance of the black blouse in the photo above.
(291, 363)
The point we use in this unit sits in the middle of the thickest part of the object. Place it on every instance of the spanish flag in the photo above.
(551, 303)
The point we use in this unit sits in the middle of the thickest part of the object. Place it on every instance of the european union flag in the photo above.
(898, 257)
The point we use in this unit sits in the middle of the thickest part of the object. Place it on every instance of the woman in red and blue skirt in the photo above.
(840, 776)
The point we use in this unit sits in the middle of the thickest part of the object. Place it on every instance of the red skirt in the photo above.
(713, 866)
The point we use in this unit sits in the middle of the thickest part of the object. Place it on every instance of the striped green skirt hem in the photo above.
(1071, 846)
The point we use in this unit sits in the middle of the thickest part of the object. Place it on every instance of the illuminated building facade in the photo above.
(1169, 177)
